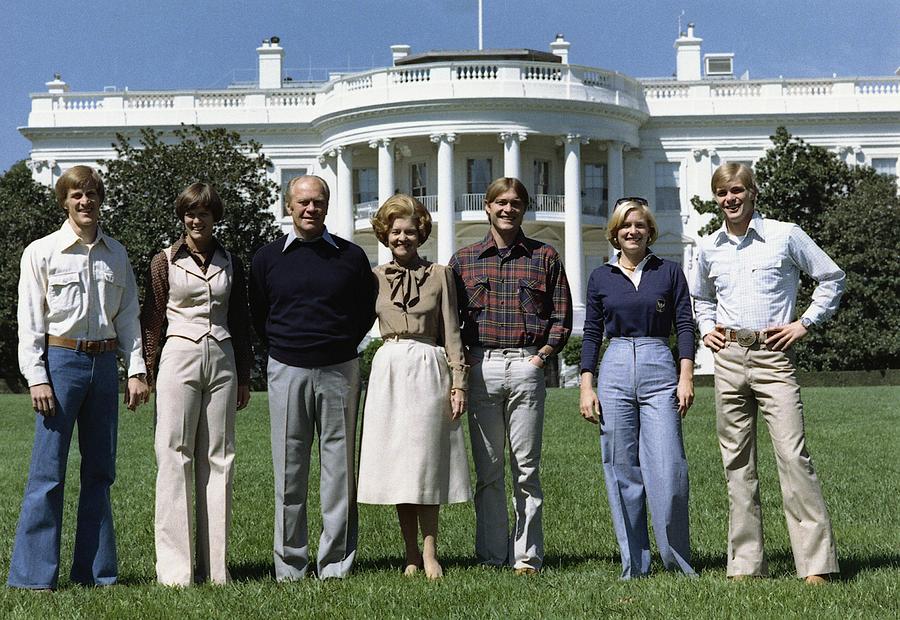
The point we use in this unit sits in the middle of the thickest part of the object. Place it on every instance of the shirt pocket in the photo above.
(64, 293)
(721, 278)
(768, 275)
(111, 289)
(477, 294)
(533, 298)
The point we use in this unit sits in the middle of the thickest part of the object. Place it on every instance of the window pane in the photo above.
(418, 179)
(478, 175)
(885, 165)
(365, 184)
(286, 175)
(541, 176)
(668, 187)
(594, 195)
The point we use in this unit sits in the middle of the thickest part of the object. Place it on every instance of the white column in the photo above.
(574, 257)
(512, 158)
(616, 178)
(386, 184)
(343, 217)
(446, 211)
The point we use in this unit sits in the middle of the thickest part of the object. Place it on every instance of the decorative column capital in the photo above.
(572, 138)
(374, 143)
(505, 137)
(448, 137)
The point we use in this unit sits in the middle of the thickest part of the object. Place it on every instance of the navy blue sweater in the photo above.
(613, 305)
(312, 303)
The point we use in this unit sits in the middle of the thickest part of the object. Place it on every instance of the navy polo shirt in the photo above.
(615, 307)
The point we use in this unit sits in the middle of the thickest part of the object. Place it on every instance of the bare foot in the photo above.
(433, 569)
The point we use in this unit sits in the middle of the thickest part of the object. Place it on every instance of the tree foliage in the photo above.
(143, 180)
(31, 212)
(851, 212)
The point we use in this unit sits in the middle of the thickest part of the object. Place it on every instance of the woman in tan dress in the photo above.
(413, 451)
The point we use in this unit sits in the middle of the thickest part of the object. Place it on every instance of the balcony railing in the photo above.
(553, 203)
(365, 210)
(469, 202)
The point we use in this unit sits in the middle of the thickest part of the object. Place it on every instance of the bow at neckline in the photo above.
(406, 282)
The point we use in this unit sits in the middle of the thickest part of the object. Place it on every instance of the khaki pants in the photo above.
(747, 380)
(196, 401)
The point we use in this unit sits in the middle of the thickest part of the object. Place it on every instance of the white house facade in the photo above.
(442, 125)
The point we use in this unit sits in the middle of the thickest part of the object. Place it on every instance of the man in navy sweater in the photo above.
(312, 297)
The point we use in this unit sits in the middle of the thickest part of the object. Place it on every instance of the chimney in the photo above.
(270, 58)
(687, 56)
(560, 47)
(399, 51)
(56, 86)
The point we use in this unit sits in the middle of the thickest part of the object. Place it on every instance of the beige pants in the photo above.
(747, 380)
(196, 400)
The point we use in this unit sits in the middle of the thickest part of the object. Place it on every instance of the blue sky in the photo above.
(171, 44)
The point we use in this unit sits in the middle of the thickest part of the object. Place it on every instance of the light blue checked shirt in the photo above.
(753, 283)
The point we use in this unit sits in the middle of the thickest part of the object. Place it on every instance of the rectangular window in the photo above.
(286, 175)
(668, 187)
(365, 185)
(418, 180)
(478, 175)
(594, 195)
(541, 176)
(885, 165)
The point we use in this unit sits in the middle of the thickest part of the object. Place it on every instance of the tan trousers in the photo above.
(196, 401)
(747, 380)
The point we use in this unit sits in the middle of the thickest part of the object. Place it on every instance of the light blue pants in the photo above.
(643, 454)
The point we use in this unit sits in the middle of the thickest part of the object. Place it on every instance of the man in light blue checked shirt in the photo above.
(745, 297)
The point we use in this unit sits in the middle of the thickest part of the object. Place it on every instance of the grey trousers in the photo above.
(506, 404)
(304, 401)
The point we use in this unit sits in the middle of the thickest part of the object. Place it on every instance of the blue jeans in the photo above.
(643, 454)
(87, 392)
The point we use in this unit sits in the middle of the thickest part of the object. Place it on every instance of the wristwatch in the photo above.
(543, 356)
(805, 322)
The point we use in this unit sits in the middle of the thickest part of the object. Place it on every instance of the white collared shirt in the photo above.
(76, 290)
(634, 276)
(752, 281)
(292, 235)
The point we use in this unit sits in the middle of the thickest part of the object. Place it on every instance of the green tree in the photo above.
(143, 180)
(31, 212)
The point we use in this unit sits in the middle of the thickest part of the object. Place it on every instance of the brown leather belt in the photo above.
(744, 337)
(87, 346)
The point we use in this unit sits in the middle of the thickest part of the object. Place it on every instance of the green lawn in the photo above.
(854, 437)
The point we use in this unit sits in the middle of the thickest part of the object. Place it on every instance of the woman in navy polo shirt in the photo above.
(636, 299)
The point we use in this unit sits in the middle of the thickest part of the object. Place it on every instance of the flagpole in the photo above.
(480, 25)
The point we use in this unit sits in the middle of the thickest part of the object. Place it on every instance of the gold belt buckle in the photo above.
(746, 337)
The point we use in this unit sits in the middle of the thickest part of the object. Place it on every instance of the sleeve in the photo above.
(811, 259)
(560, 323)
(704, 294)
(239, 322)
(259, 298)
(683, 318)
(368, 288)
(128, 325)
(153, 312)
(450, 324)
(32, 317)
(593, 325)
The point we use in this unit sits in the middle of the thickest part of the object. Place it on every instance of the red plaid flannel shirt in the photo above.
(522, 300)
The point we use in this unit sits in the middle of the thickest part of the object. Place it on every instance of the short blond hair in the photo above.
(617, 221)
(735, 171)
(402, 206)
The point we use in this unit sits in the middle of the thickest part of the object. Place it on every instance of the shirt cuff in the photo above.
(36, 376)
(706, 327)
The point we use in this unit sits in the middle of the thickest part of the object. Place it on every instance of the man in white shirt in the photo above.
(78, 307)
(745, 294)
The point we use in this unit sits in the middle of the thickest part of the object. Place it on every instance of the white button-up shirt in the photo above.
(752, 282)
(76, 290)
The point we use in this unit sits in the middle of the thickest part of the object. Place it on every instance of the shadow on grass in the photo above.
(851, 567)
(252, 571)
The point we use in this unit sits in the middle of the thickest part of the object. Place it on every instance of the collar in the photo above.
(180, 247)
(292, 236)
(488, 245)
(180, 256)
(757, 225)
(68, 237)
(650, 257)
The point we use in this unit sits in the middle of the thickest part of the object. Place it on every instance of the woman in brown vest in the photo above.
(195, 327)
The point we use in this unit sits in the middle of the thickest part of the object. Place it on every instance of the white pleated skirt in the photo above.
(411, 451)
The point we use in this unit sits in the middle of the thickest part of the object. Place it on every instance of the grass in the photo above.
(853, 438)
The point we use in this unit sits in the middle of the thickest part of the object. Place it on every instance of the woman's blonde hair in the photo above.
(402, 206)
(617, 221)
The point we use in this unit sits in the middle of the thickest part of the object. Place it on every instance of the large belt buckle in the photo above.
(746, 337)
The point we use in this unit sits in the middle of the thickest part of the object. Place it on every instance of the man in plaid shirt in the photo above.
(516, 311)
(745, 297)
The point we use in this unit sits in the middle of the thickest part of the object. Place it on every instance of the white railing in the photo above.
(666, 91)
(149, 102)
(365, 210)
(553, 203)
(430, 202)
(220, 100)
(877, 86)
(735, 89)
(411, 75)
(291, 99)
(552, 73)
(806, 88)
(470, 202)
(78, 103)
(475, 72)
